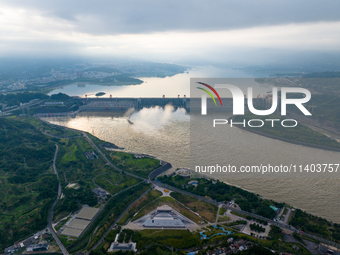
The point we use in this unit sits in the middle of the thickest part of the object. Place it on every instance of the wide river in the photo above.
(166, 134)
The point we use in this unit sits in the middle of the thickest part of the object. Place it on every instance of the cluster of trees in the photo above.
(221, 191)
(60, 97)
(102, 251)
(275, 233)
(257, 228)
(75, 198)
(263, 222)
(125, 235)
(238, 222)
(260, 207)
(121, 78)
(24, 152)
(257, 250)
(336, 232)
(309, 223)
(16, 99)
(111, 236)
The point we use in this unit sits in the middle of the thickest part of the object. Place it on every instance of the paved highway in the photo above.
(25, 106)
(50, 215)
(107, 161)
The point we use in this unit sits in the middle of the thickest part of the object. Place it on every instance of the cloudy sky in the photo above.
(168, 31)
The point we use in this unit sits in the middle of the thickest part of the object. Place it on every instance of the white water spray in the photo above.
(152, 120)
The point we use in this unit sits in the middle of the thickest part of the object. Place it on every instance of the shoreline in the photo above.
(287, 140)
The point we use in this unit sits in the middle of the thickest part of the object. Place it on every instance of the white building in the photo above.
(164, 218)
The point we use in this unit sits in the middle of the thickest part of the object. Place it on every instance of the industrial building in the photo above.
(80, 222)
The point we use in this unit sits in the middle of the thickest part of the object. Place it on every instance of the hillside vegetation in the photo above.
(28, 185)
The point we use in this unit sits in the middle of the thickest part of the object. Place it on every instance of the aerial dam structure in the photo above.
(124, 104)
(189, 104)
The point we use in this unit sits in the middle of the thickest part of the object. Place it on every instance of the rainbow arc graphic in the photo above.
(209, 93)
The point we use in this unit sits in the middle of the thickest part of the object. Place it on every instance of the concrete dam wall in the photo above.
(189, 104)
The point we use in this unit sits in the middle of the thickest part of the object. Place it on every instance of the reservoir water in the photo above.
(165, 134)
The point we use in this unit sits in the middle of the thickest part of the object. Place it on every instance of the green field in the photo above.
(128, 162)
(181, 239)
(204, 209)
(113, 182)
(145, 200)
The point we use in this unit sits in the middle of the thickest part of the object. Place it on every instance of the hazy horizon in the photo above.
(242, 33)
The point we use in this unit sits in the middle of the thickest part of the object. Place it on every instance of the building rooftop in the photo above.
(122, 246)
(79, 224)
(164, 223)
(100, 192)
(71, 232)
(163, 217)
(90, 155)
(87, 213)
(164, 208)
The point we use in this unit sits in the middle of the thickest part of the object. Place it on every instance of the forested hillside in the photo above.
(28, 185)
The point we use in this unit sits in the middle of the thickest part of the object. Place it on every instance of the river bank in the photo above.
(311, 145)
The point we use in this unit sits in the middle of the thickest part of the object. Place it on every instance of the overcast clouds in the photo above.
(167, 30)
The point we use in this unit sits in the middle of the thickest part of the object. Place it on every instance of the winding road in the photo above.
(50, 215)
